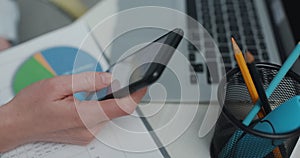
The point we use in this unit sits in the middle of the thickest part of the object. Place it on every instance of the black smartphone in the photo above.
(141, 68)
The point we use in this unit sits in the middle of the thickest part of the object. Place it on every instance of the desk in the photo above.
(181, 139)
(186, 143)
(189, 142)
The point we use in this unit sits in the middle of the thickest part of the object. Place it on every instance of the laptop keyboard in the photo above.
(224, 19)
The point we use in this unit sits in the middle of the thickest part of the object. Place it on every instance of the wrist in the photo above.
(11, 133)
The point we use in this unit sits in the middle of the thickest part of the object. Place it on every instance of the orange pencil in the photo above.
(246, 74)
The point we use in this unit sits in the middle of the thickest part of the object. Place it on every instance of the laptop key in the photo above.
(232, 20)
(236, 35)
(233, 23)
(226, 59)
(225, 53)
(228, 68)
(191, 47)
(250, 42)
(223, 49)
(221, 30)
(204, 2)
(207, 25)
(193, 78)
(222, 39)
(253, 51)
(257, 25)
(265, 56)
(219, 21)
(209, 44)
(257, 60)
(206, 10)
(230, 8)
(247, 26)
(198, 68)
(234, 28)
(210, 54)
(262, 45)
(248, 32)
(209, 80)
(243, 7)
(218, 11)
(191, 10)
(206, 18)
(192, 57)
(260, 35)
(212, 73)
(230, 13)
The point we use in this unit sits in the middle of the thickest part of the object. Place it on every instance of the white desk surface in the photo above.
(180, 137)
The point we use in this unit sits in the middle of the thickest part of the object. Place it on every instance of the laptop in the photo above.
(260, 26)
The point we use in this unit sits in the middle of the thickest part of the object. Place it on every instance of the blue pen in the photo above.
(275, 82)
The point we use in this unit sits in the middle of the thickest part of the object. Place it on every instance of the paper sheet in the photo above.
(113, 140)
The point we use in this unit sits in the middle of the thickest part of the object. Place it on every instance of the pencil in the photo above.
(261, 91)
(246, 74)
(257, 82)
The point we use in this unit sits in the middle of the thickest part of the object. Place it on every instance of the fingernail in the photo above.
(106, 78)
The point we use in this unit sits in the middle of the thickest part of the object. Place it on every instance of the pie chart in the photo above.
(52, 62)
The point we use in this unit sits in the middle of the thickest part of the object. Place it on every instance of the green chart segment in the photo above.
(54, 62)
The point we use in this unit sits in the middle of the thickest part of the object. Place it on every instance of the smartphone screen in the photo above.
(136, 70)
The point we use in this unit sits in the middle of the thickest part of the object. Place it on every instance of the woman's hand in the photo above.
(48, 111)
(4, 44)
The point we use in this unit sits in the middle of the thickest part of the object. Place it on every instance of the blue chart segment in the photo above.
(52, 62)
(66, 60)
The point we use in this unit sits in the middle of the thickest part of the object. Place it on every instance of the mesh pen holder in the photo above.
(244, 141)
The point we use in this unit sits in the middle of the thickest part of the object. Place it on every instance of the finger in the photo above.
(124, 106)
(90, 113)
(94, 112)
(87, 81)
(91, 81)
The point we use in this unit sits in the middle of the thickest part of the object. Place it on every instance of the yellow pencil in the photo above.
(249, 83)
(245, 73)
